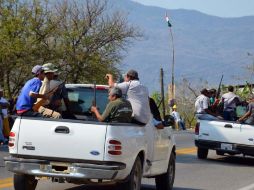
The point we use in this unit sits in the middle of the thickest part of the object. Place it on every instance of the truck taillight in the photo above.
(12, 134)
(114, 147)
(197, 128)
(11, 142)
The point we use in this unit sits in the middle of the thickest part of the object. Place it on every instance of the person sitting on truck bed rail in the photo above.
(136, 93)
(248, 117)
(117, 110)
(30, 92)
(43, 106)
(201, 106)
(230, 101)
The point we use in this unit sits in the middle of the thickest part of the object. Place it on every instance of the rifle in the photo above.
(41, 102)
(219, 89)
(94, 93)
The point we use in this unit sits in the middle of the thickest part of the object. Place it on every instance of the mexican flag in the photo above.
(169, 24)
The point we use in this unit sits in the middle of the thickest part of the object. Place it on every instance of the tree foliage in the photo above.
(83, 38)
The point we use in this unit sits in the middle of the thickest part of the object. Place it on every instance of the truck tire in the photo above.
(202, 153)
(24, 182)
(134, 180)
(166, 181)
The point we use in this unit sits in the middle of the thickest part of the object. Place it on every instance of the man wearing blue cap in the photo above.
(30, 92)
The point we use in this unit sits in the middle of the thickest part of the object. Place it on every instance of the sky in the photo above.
(221, 8)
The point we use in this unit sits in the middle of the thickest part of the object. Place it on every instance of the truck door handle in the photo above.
(228, 126)
(62, 129)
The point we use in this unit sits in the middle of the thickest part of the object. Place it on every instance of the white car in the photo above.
(84, 151)
(224, 137)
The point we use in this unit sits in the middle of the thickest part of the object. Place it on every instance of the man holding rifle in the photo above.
(42, 105)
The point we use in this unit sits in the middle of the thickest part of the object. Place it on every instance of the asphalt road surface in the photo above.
(214, 173)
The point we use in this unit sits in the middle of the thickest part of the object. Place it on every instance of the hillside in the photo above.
(205, 46)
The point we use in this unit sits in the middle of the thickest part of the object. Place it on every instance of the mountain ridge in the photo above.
(205, 46)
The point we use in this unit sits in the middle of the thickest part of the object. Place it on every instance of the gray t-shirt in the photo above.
(137, 94)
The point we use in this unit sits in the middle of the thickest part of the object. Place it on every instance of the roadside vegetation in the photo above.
(85, 39)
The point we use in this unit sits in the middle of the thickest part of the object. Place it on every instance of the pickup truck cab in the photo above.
(84, 151)
(225, 137)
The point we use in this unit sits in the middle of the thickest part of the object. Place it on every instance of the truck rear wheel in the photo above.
(166, 181)
(24, 182)
(134, 180)
(202, 153)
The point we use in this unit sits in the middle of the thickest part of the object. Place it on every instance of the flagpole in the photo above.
(173, 58)
(173, 64)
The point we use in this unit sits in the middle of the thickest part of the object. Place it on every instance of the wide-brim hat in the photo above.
(49, 68)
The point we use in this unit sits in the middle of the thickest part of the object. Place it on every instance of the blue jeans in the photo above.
(1, 130)
(181, 125)
(229, 115)
(205, 116)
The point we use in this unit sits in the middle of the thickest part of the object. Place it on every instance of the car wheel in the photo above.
(24, 182)
(166, 181)
(202, 153)
(134, 180)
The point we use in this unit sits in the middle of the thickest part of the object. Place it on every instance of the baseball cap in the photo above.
(132, 73)
(116, 91)
(49, 68)
(37, 69)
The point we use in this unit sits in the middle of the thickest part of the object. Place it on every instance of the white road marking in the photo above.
(249, 187)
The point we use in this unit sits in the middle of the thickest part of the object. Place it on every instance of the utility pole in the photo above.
(162, 93)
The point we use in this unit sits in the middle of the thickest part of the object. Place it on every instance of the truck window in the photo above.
(82, 98)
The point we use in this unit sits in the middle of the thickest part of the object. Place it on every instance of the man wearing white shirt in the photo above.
(136, 93)
(230, 100)
(201, 106)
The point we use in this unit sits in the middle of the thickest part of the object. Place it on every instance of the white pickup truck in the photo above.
(224, 137)
(84, 151)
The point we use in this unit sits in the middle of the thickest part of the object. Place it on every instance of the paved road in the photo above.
(215, 173)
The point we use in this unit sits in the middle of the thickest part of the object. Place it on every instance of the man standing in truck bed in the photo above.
(230, 100)
(136, 93)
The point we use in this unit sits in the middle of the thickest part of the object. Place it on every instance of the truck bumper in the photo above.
(236, 148)
(45, 168)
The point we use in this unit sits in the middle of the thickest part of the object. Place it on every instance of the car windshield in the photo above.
(82, 98)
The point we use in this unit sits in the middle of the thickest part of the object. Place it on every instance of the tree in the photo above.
(83, 38)
(24, 33)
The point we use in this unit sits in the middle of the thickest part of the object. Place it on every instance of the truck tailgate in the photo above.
(221, 131)
(61, 139)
